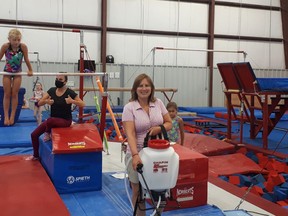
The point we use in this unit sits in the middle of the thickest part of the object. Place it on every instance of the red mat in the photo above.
(26, 189)
(207, 145)
(233, 164)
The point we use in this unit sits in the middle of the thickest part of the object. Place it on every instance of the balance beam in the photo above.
(163, 90)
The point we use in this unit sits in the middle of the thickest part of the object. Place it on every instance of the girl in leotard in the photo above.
(14, 52)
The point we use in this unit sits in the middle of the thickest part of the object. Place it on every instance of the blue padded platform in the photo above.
(115, 109)
(72, 172)
(203, 110)
(17, 135)
(273, 84)
(21, 93)
(26, 115)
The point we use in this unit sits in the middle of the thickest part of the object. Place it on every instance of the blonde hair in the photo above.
(14, 33)
(39, 84)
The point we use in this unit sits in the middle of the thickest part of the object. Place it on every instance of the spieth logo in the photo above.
(160, 166)
(185, 194)
(72, 179)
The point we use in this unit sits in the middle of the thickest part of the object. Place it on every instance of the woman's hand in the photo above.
(153, 131)
(135, 161)
(30, 73)
(49, 101)
(69, 100)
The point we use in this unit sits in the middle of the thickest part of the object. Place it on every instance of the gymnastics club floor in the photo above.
(28, 190)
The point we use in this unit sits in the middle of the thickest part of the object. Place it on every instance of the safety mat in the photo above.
(207, 145)
(18, 135)
(233, 164)
(27, 190)
(113, 200)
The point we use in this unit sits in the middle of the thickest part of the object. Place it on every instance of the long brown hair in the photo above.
(136, 84)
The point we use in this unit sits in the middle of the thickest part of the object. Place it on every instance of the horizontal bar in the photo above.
(36, 53)
(126, 89)
(43, 28)
(202, 50)
(53, 74)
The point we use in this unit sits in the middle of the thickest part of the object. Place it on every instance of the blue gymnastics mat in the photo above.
(26, 115)
(113, 200)
(203, 110)
(17, 135)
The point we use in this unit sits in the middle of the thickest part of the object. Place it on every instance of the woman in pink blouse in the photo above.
(144, 113)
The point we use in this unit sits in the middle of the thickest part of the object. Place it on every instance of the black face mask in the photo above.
(59, 84)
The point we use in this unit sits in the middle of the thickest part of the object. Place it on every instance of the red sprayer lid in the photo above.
(158, 144)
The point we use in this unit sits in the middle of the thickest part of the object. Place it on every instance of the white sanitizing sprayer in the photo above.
(159, 171)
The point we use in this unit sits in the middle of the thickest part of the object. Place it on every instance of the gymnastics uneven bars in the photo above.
(53, 74)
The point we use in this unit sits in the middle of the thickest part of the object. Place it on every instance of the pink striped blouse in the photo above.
(143, 122)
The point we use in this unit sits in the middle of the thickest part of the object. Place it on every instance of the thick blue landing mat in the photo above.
(273, 84)
(203, 110)
(113, 200)
(26, 115)
(115, 109)
(17, 135)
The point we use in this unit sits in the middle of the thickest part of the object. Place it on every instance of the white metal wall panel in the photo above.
(248, 22)
(275, 3)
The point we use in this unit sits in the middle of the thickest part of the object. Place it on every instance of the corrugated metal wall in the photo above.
(191, 82)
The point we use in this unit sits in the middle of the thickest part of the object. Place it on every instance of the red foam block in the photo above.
(234, 180)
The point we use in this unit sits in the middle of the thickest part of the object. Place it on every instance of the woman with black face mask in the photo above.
(60, 98)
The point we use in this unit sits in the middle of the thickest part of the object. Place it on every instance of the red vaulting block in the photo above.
(191, 187)
(193, 166)
(187, 195)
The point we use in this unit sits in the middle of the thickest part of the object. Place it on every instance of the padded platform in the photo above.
(19, 106)
(202, 110)
(75, 162)
(207, 145)
(233, 164)
(27, 190)
(17, 135)
(273, 84)
(26, 115)
(92, 109)
(85, 139)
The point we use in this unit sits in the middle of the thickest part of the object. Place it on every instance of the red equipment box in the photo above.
(191, 186)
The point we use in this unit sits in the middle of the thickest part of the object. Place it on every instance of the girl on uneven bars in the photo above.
(14, 52)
